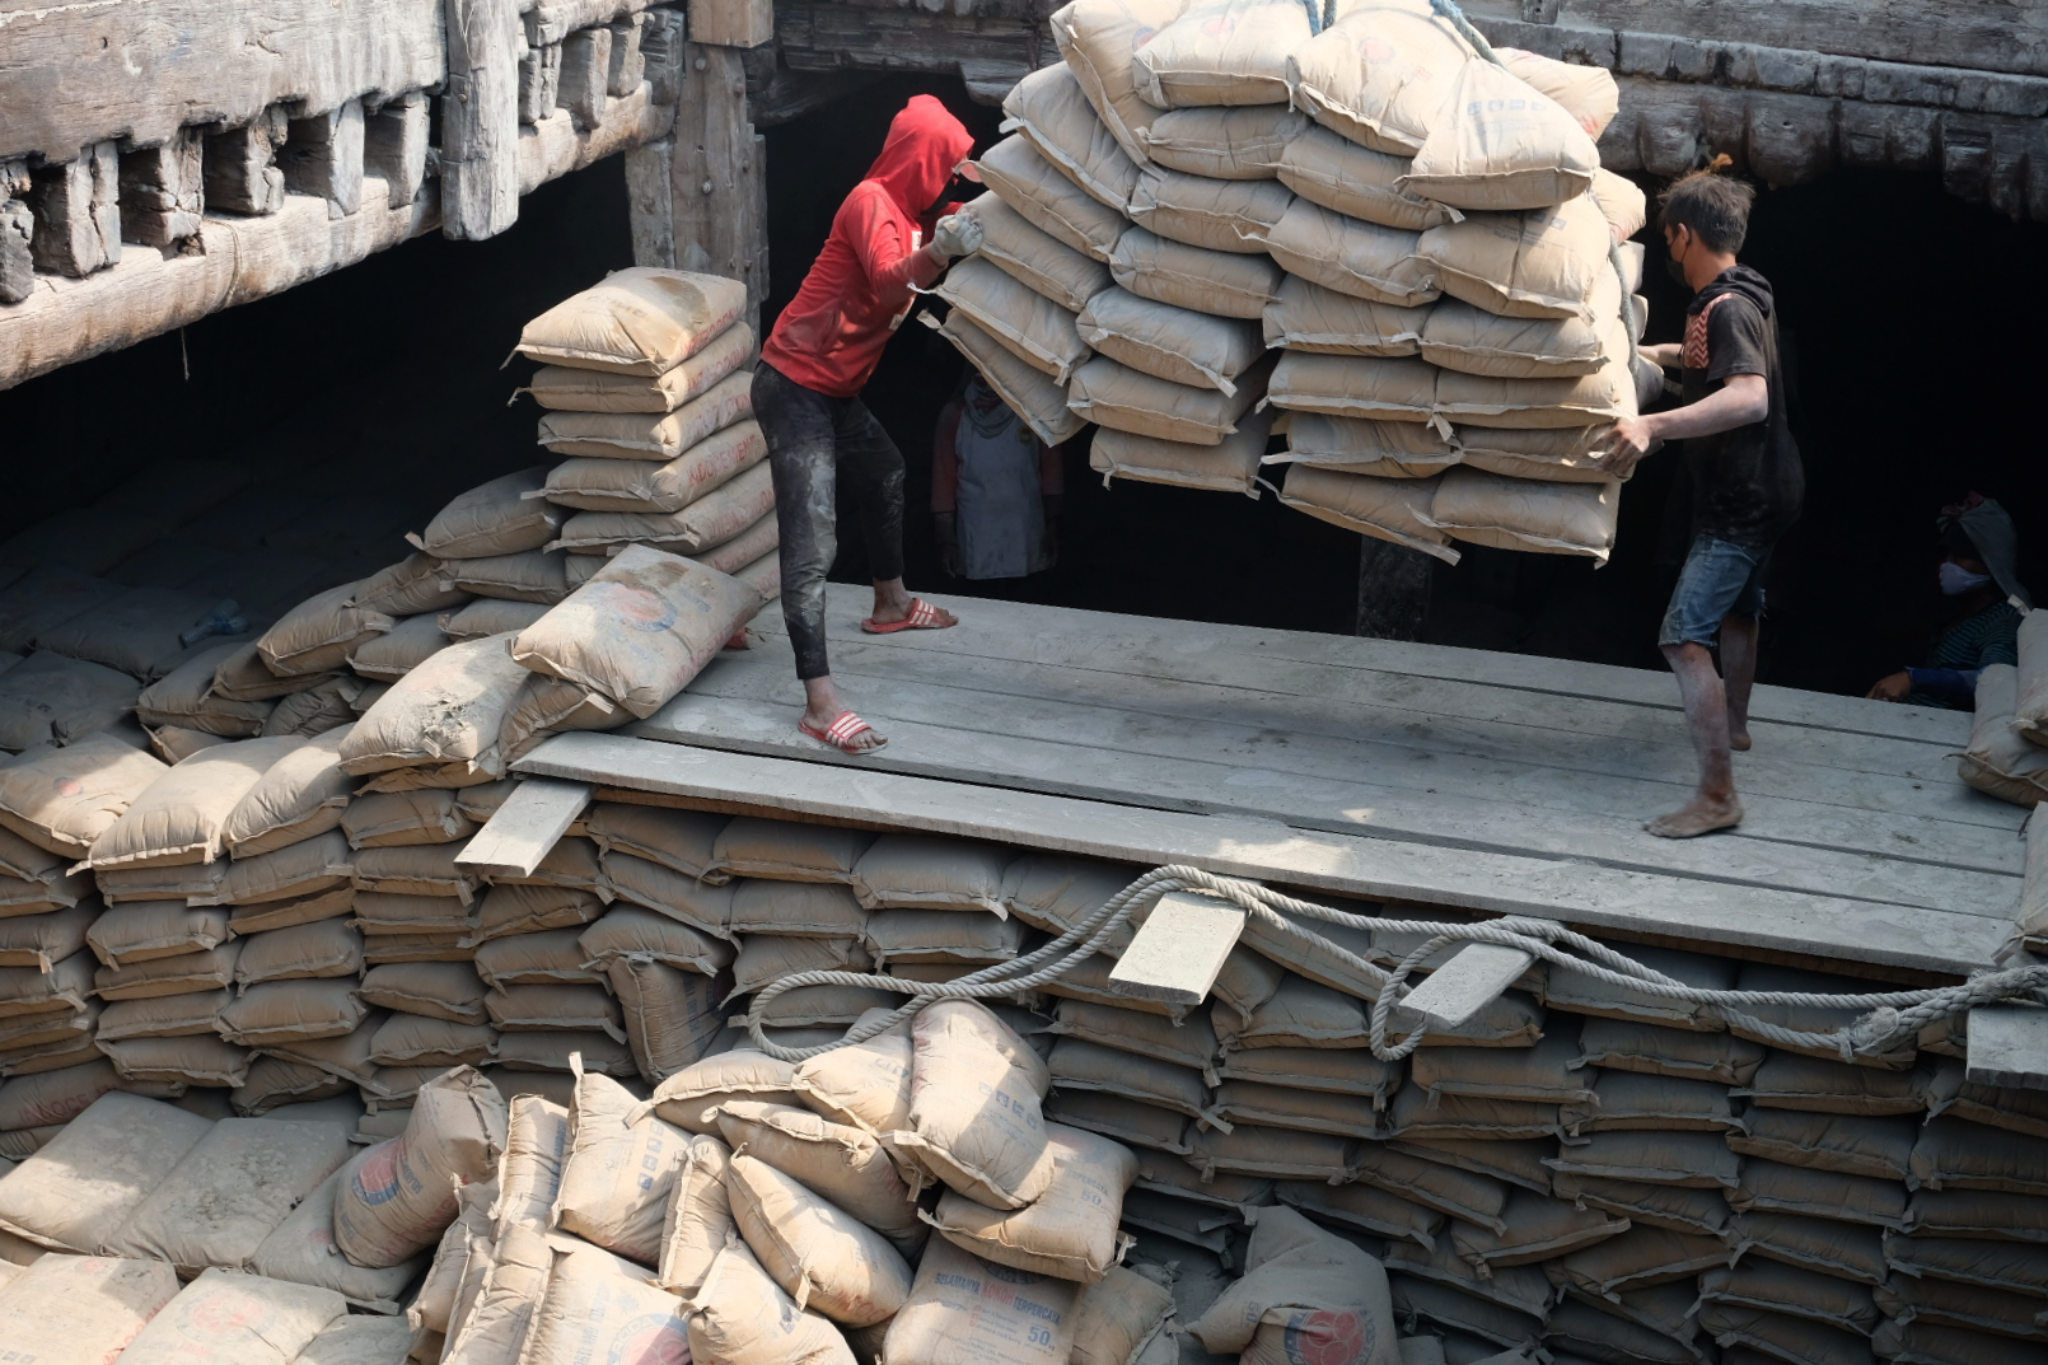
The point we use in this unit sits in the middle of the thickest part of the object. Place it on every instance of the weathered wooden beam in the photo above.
(661, 47)
(586, 71)
(523, 829)
(78, 213)
(628, 62)
(163, 190)
(732, 23)
(395, 145)
(480, 119)
(551, 21)
(540, 82)
(2008, 1047)
(718, 182)
(556, 146)
(17, 226)
(240, 174)
(1475, 975)
(1179, 950)
(650, 202)
(323, 157)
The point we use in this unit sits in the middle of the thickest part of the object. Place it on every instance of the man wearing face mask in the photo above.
(1747, 481)
(823, 350)
(1976, 573)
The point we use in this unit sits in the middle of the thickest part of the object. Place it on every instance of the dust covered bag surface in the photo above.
(1232, 466)
(601, 1308)
(76, 1192)
(1307, 1295)
(1115, 395)
(228, 1318)
(618, 1172)
(1050, 107)
(1071, 1231)
(821, 1255)
(1498, 144)
(1378, 77)
(742, 1317)
(444, 715)
(962, 1308)
(625, 485)
(650, 436)
(639, 321)
(1039, 331)
(61, 800)
(975, 1118)
(1035, 258)
(1229, 52)
(1018, 174)
(1222, 283)
(81, 1308)
(1100, 40)
(398, 1196)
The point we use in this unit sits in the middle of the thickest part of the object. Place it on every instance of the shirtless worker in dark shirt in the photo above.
(1746, 479)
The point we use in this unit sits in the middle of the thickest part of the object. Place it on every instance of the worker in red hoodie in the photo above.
(807, 396)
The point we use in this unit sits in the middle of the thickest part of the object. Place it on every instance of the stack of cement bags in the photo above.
(1424, 236)
(2007, 756)
(647, 379)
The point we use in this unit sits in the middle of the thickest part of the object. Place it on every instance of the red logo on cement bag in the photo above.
(376, 1179)
(650, 1339)
(1329, 1338)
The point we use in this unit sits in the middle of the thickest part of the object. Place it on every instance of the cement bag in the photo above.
(1388, 390)
(650, 436)
(1120, 1320)
(1998, 761)
(846, 1165)
(1050, 108)
(639, 321)
(974, 1106)
(1307, 1295)
(1177, 344)
(619, 1171)
(444, 716)
(183, 697)
(80, 1188)
(53, 1097)
(1035, 258)
(1547, 264)
(1022, 178)
(918, 872)
(82, 1309)
(1114, 395)
(562, 388)
(638, 631)
(1222, 283)
(1038, 331)
(195, 1061)
(162, 976)
(1389, 509)
(490, 616)
(1472, 341)
(42, 941)
(302, 794)
(2030, 707)
(302, 1251)
(627, 933)
(690, 1098)
(757, 542)
(359, 1341)
(1623, 205)
(179, 818)
(1071, 1232)
(1038, 402)
(740, 1316)
(141, 632)
(317, 635)
(672, 1017)
(52, 699)
(818, 1253)
(620, 485)
(1499, 145)
(317, 710)
(398, 1196)
(1305, 316)
(1355, 181)
(1572, 401)
(1587, 93)
(1555, 454)
(1378, 77)
(1232, 466)
(713, 519)
(546, 707)
(1221, 215)
(863, 1085)
(1350, 256)
(1221, 52)
(1100, 40)
(1244, 143)
(698, 1221)
(415, 584)
(528, 576)
(962, 1308)
(494, 518)
(600, 1308)
(292, 1011)
(398, 651)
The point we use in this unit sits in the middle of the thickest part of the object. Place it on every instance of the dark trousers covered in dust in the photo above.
(810, 437)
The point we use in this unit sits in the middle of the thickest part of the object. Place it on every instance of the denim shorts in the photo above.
(1720, 578)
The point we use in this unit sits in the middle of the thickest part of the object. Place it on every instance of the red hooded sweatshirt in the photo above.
(831, 335)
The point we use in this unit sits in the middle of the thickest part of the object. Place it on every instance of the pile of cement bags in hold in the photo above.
(2007, 756)
(1424, 237)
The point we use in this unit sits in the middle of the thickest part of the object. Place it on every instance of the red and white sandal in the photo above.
(842, 733)
(923, 616)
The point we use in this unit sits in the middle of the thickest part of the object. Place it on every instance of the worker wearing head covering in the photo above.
(1977, 573)
(807, 389)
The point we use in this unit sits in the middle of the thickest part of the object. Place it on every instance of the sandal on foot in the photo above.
(842, 733)
(923, 616)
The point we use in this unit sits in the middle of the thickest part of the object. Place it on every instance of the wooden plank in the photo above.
(17, 226)
(2008, 1047)
(480, 119)
(395, 146)
(586, 70)
(732, 23)
(1178, 952)
(628, 62)
(241, 171)
(1473, 978)
(540, 82)
(1743, 920)
(718, 182)
(650, 214)
(138, 70)
(163, 190)
(77, 213)
(323, 157)
(524, 828)
(550, 21)
(661, 45)
(556, 146)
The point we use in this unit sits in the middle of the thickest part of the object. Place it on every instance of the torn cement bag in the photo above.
(61, 800)
(1035, 258)
(1378, 77)
(1100, 41)
(821, 1255)
(180, 817)
(81, 1308)
(443, 716)
(974, 1108)
(1365, 260)
(1118, 396)
(1221, 215)
(1498, 144)
(1221, 52)
(638, 631)
(1070, 1232)
(1177, 344)
(78, 1190)
(562, 388)
(844, 1164)
(1547, 263)
(1224, 143)
(1306, 316)
(1223, 283)
(1306, 1294)
(642, 321)
(649, 437)
(1398, 510)
(740, 1316)
(962, 1308)
(1036, 330)
(1354, 180)
(1050, 108)
(618, 1172)
(1390, 450)
(1231, 466)
(398, 1196)
(629, 485)
(1038, 402)
(699, 1218)
(1022, 178)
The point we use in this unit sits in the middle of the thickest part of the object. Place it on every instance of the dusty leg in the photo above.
(875, 466)
(1706, 713)
(1738, 670)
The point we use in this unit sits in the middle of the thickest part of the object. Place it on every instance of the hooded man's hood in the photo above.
(916, 163)
(1990, 529)
(1736, 279)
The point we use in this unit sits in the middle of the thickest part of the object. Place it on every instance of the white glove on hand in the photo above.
(958, 235)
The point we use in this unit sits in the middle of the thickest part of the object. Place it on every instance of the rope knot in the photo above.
(1875, 1032)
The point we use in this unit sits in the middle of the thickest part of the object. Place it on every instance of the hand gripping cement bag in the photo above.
(397, 1197)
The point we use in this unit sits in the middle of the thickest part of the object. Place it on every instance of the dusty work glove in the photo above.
(958, 234)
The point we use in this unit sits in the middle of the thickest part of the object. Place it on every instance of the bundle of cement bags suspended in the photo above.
(1423, 235)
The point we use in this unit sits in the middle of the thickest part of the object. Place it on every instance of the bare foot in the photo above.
(1738, 735)
(821, 722)
(1701, 815)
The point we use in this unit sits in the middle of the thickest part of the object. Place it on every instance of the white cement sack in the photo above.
(1498, 144)
(1022, 178)
(1549, 263)
(1306, 316)
(698, 1221)
(1050, 108)
(301, 794)
(1378, 77)
(618, 1173)
(1398, 510)
(1038, 402)
(1220, 215)
(974, 1110)
(1177, 344)
(689, 1098)
(1573, 401)
(1341, 175)
(817, 1252)
(1224, 283)
(61, 800)
(713, 519)
(1034, 328)
(740, 1316)
(1230, 466)
(962, 1308)
(1400, 389)
(77, 1191)
(180, 817)
(398, 1196)
(599, 1308)
(317, 635)
(1391, 450)
(1224, 143)
(1221, 52)
(1470, 340)
(650, 437)
(846, 1165)
(1100, 40)
(1035, 258)
(566, 388)
(82, 1309)
(642, 321)
(444, 716)
(1517, 514)
(1070, 1232)
(1587, 93)
(1308, 1294)
(1115, 395)
(600, 484)
(1351, 256)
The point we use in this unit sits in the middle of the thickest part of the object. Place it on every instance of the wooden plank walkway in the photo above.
(1544, 763)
